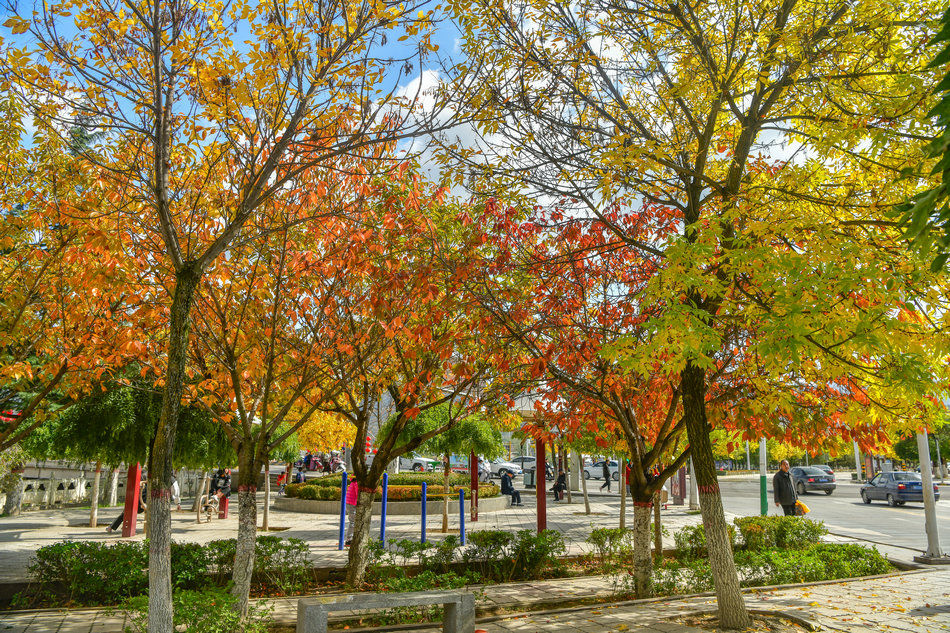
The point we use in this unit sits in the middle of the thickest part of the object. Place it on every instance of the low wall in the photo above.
(393, 508)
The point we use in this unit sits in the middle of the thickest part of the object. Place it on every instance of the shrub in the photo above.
(282, 563)
(86, 572)
(823, 561)
(206, 611)
(690, 541)
(190, 563)
(784, 532)
(610, 543)
(489, 552)
(531, 553)
(395, 492)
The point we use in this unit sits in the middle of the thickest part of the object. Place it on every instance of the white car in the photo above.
(596, 470)
(499, 468)
(418, 464)
(525, 462)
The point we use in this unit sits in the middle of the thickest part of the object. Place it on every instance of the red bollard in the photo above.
(223, 508)
(132, 491)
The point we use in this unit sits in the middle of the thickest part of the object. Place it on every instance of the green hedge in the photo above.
(400, 479)
(756, 568)
(93, 573)
(395, 492)
(784, 532)
(756, 533)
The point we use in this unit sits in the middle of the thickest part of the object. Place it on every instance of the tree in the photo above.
(404, 334)
(117, 426)
(473, 433)
(773, 267)
(577, 299)
(209, 112)
(927, 215)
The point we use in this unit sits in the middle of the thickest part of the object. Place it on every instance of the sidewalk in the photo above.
(914, 601)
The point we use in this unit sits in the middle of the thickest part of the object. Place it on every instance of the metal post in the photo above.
(423, 539)
(939, 461)
(748, 456)
(473, 482)
(930, 507)
(382, 523)
(342, 510)
(540, 486)
(133, 483)
(462, 515)
(763, 478)
(857, 461)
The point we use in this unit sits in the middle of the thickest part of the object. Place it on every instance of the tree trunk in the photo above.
(732, 610)
(580, 470)
(657, 530)
(244, 552)
(160, 474)
(359, 549)
(113, 486)
(445, 498)
(642, 563)
(623, 493)
(11, 507)
(265, 524)
(94, 497)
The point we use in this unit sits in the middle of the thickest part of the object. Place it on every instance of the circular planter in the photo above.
(393, 508)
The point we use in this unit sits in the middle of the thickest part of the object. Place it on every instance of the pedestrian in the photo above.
(560, 485)
(508, 488)
(784, 489)
(606, 472)
(176, 493)
(142, 505)
(352, 495)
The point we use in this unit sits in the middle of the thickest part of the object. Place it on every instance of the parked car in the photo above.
(525, 462)
(499, 468)
(897, 488)
(825, 468)
(596, 470)
(418, 464)
(808, 478)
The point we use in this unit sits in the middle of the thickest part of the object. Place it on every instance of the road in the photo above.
(844, 513)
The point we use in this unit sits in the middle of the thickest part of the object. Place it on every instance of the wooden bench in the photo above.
(459, 608)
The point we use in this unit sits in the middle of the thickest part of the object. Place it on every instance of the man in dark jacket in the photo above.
(784, 489)
(508, 488)
(605, 465)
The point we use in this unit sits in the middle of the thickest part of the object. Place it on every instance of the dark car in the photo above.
(896, 488)
(808, 478)
(825, 468)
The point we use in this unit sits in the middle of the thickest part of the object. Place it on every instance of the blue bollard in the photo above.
(342, 510)
(382, 523)
(423, 540)
(462, 515)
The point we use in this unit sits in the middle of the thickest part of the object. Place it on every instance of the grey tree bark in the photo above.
(265, 521)
(642, 563)
(113, 485)
(11, 506)
(580, 470)
(160, 475)
(732, 610)
(359, 548)
(94, 497)
(657, 530)
(623, 493)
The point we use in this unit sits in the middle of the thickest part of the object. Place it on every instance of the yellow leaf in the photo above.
(17, 25)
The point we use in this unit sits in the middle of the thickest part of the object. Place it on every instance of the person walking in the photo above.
(784, 489)
(606, 472)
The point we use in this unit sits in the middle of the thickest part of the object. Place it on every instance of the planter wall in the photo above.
(393, 508)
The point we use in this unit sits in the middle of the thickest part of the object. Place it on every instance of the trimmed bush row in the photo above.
(106, 573)
(400, 479)
(754, 533)
(395, 492)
